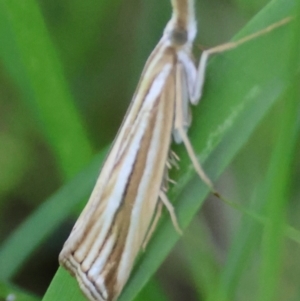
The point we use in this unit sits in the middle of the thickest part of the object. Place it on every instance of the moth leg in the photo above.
(171, 210)
(180, 129)
(153, 225)
(197, 91)
(200, 77)
(195, 161)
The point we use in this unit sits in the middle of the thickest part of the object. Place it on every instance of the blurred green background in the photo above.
(68, 70)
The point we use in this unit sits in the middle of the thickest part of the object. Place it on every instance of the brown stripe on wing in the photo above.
(164, 110)
(163, 124)
(123, 217)
(160, 56)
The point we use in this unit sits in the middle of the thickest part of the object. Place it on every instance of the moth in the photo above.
(127, 200)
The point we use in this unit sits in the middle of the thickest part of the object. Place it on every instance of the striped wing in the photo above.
(109, 233)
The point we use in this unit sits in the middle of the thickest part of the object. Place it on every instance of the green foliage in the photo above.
(34, 64)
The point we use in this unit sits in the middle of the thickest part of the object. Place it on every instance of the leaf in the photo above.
(31, 59)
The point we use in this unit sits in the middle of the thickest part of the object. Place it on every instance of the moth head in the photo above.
(182, 28)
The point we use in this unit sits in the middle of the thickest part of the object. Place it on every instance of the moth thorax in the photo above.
(178, 36)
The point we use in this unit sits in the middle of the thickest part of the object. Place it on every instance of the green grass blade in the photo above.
(32, 60)
(247, 239)
(278, 196)
(279, 183)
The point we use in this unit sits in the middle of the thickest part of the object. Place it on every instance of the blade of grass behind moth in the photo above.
(279, 181)
(63, 287)
(280, 175)
(250, 231)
